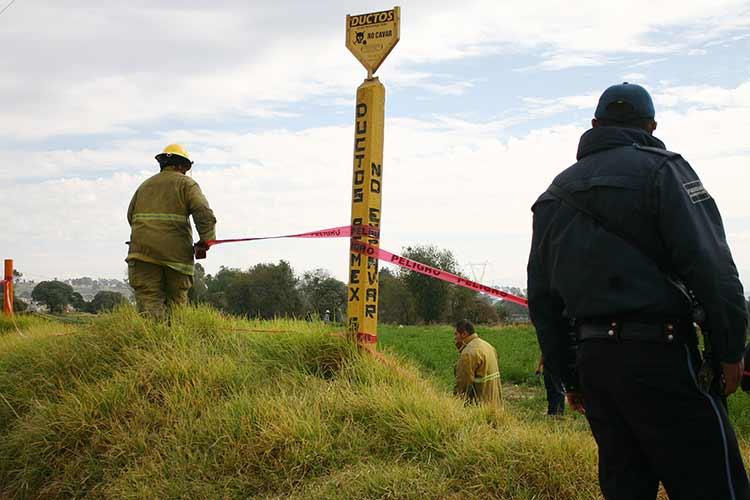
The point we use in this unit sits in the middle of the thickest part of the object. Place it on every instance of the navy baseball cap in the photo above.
(637, 100)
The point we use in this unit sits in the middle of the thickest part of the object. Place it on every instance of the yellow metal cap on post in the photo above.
(371, 37)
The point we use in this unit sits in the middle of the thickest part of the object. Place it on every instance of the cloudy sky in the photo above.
(485, 103)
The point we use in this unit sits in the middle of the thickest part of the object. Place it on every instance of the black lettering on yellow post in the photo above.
(366, 197)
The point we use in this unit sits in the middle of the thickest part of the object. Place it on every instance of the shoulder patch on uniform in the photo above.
(658, 151)
(696, 191)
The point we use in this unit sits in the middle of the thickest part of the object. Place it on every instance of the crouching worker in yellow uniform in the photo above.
(477, 372)
(160, 259)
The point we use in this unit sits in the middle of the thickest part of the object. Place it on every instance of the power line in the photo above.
(6, 7)
(480, 265)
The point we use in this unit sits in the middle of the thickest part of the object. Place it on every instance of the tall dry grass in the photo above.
(209, 408)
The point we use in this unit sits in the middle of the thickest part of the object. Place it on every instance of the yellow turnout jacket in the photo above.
(477, 372)
(158, 217)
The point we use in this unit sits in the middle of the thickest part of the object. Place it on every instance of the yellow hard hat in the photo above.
(173, 150)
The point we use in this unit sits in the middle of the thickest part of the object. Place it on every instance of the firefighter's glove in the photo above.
(200, 249)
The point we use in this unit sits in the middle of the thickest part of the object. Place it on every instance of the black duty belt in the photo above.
(663, 332)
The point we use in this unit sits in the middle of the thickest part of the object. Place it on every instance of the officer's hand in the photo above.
(575, 400)
(732, 375)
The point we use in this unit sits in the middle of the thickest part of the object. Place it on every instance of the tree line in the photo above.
(405, 297)
(59, 296)
(274, 290)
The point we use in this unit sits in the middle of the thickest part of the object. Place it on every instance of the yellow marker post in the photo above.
(370, 37)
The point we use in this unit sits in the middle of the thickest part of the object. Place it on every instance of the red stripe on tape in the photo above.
(413, 265)
(333, 232)
(384, 255)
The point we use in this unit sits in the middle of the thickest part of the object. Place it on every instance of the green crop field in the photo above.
(431, 347)
(216, 407)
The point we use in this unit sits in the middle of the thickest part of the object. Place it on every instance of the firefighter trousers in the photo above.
(157, 288)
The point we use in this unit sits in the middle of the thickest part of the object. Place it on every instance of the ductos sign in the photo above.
(374, 18)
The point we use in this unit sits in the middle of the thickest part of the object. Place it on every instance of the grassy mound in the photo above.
(208, 408)
(19, 323)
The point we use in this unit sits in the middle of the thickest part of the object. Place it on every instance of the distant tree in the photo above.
(502, 312)
(85, 281)
(54, 294)
(106, 301)
(199, 290)
(468, 304)
(17, 275)
(519, 292)
(320, 292)
(431, 295)
(483, 311)
(265, 291)
(78, 302)
(19, 305)
(217, 286)
(396, 303)
(514, 312)
(460, 304)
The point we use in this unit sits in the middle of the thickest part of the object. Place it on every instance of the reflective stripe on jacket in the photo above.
(160, 227)
(477, 372)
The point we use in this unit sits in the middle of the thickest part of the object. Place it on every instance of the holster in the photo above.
(711, 377)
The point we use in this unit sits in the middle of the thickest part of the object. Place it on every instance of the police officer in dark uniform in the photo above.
(627, 241)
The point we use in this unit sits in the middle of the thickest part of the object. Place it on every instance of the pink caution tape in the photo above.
(433, 272)
(333, 232)
(386, 256)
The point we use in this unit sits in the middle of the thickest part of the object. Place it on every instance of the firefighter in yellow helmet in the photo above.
(477, 371)
(160, 259)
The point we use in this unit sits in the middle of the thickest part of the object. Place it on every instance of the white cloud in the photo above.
(649, 62)
(634, 77)
(539, 107)
(705, 96)
(96, 69)
(430, 82)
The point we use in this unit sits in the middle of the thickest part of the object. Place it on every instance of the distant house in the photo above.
(33, 306)
(518, 318)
